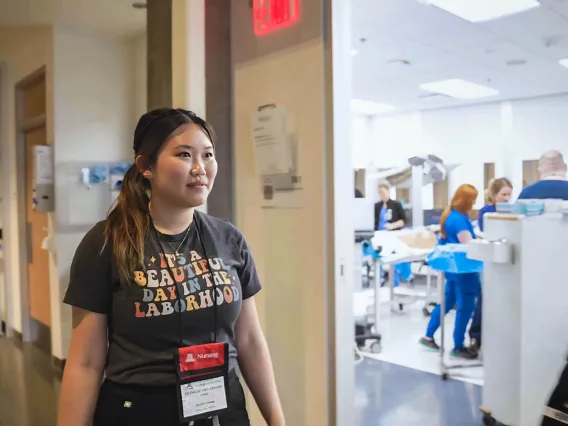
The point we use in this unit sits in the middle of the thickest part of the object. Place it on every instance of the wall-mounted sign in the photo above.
(272, 15)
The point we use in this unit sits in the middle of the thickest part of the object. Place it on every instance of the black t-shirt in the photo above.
(144, 324)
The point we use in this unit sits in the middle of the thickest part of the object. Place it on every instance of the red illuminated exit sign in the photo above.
(272, 15)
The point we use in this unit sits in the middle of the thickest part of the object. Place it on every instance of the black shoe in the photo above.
(475, 346)
(429, 343)
(464, 353)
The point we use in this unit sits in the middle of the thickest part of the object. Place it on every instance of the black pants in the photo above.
(475, 327)
(157, 406)
(556, 412)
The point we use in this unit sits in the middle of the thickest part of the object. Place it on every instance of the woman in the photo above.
(162, 298)
(461, 289)
(389, 214)
(499, 191)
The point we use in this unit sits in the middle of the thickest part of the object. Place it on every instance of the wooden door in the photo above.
(530, 172)
(36, 231)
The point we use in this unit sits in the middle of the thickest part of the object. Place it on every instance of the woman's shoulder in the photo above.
(97, 231)
(218, 225)
(95, 238)
(456, 215)
(488, 208)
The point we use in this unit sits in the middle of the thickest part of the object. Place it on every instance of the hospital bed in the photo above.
(390, 248)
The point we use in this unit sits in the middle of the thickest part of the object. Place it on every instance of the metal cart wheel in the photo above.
(445, 376)
(376, 347)
(488, 420)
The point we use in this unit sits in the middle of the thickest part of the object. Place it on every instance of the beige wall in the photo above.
(288, 243)
(140, 76)
(23, 50)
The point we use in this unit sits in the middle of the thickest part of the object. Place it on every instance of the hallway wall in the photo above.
(96, 91)
(23, 50)
(94, 84)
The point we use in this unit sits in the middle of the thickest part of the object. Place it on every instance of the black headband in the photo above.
(155, 126)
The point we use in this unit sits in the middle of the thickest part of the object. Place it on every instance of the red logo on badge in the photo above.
(202, 357)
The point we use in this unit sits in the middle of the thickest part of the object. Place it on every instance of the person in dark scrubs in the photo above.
(389, 214)
(461, 289)
(552, 183)
(499, 191)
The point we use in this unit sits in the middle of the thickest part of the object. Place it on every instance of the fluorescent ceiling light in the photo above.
(483, 10)
(359, 106)
(354, 52)
(459, 89)
(563, 62)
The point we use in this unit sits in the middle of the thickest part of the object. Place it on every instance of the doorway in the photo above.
(34, 260)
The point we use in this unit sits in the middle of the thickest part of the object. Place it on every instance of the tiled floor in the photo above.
(391, 395)
(400, 334)
(28, 386)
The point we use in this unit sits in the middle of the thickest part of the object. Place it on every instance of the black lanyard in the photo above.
(176, 285)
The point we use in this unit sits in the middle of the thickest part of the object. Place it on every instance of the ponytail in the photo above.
(128, 224)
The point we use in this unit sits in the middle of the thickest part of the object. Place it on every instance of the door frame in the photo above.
(7, 296)
(22, 127)
(340, 221)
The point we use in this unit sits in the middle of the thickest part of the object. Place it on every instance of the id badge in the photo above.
(203, 386)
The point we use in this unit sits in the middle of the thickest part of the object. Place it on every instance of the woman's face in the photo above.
(185, 169)
(384, 193)
(504, 195)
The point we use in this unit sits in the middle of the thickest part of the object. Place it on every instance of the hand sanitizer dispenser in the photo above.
(44, 198)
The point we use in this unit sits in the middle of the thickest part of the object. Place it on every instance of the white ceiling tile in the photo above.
(440, 46)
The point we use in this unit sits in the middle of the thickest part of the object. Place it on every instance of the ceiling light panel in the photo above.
(359, 106)
(459, 89)
(563, 62)
(484, 10)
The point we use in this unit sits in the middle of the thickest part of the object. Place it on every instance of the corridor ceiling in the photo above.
(402, 44)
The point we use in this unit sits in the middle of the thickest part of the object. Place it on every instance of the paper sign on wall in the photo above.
(43, 164)
(272, 144)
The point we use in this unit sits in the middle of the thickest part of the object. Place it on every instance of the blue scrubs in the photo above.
(461, 289)
(489, 208)
(402, 270)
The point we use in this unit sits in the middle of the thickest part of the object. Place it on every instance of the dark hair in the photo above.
(128, 222)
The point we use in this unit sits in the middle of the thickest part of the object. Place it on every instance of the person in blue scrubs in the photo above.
(499, 191)
(552, 183)
(461, 289)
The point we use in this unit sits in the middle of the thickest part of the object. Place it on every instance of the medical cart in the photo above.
(525, 306)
